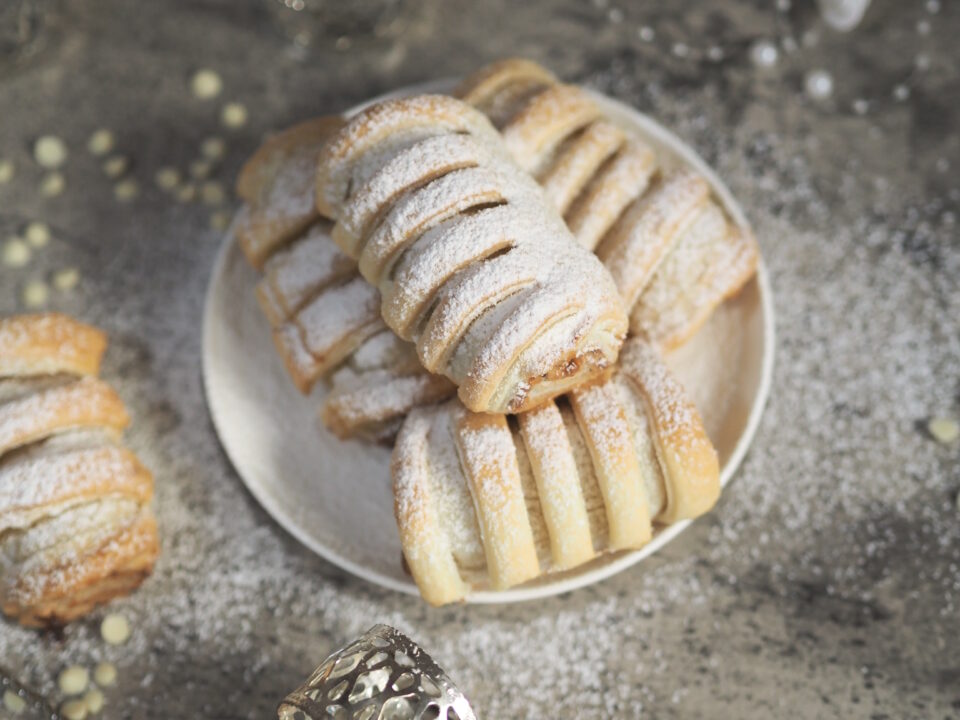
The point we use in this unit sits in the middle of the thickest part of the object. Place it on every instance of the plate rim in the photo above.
(565, 584)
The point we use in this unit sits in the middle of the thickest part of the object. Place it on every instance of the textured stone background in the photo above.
(827, 582)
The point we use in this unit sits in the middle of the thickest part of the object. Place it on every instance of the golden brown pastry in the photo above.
(49, 343)
(76, 527)
(672, 265)
(472, 265)
(485, 501)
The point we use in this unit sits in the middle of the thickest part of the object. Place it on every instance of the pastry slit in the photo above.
(577, 160)
(408, 170)
(464, 298)
(439, 200)
(620, 181)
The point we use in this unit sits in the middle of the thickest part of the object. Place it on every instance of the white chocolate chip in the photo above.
(35, 294)
(115, 166)
(50, 152)
(219, 220)
(16, 253)
(200, 169)
(13, 702)
(212, 193)
(233, 115)
(74, 710)
(187, 193)
(167, 178)
(37, 234)
(66, 279)
(115, 629)
(52, 184)
(73, 680)
(944, 430)
(205, 84)
(105, 674)
(213, 148)
(7, 170)
(94, 701)
(101, 142)
(126, 190)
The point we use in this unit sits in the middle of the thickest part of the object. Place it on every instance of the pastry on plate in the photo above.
(672, 251)
(76, 528)
(488, 501)
(473, 265)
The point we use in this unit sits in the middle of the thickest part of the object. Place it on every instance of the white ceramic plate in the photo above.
(335, 496)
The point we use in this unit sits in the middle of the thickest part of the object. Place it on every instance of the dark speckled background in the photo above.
(827, 582)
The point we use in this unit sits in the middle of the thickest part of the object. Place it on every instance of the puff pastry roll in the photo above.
(76, 528)
(472, 264)
(325, 318)
(648, 225)
(485, 501)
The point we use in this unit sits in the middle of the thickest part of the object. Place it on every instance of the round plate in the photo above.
(335, 496)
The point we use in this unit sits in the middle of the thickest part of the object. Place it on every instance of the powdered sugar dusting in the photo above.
(48, 343)
(589, 481)
(87, 402)
(312, 263)
(577, 160)
(546, 257)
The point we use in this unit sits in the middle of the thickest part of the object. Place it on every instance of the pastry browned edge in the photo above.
(76, 527)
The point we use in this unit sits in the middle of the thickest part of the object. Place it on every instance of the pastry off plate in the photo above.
(335, 496)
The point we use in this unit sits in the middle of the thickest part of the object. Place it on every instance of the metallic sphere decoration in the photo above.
(383, 675)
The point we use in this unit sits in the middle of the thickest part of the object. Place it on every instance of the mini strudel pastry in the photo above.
(76, 527)
(673, 253)
(487, 501)
(325, 318)
(473, 266)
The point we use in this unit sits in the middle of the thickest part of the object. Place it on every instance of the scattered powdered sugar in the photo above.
(838, 532)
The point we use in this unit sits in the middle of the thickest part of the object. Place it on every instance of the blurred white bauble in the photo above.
(843, 15)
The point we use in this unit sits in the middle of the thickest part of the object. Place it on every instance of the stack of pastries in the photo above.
(463, 272)
(76, 527)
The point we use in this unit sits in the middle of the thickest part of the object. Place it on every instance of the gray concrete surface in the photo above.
(827, 582)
